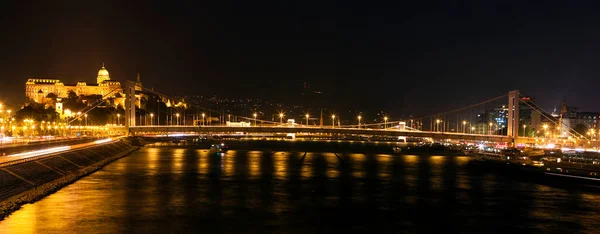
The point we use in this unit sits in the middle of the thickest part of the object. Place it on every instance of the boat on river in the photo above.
(219, 148)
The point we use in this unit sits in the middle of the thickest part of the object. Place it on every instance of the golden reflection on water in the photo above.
(280, 159)
(306, 168)
(153, 160)
(228, 163)
(462, 181)
(385, 162)
(254, 164)
(332, 161)
(107, 202)
(411, 165)
(121, 168)
(202, 162)
(22, 221)
(357, 162)
(178, 155)
(62, 210)
(436, 164)
(462, 160)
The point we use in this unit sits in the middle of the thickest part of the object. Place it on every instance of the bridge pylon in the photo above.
(130, 101)
(513, 115)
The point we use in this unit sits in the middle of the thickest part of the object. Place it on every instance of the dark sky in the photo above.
(402, 57)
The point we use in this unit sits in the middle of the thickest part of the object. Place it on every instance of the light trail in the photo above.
(103, 141)
(572, 176)
(42, 152)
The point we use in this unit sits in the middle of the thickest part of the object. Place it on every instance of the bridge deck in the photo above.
(317, 130)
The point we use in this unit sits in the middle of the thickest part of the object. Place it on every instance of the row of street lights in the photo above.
(464, 130)
(177, 122)
(255, 115)
(307, 117)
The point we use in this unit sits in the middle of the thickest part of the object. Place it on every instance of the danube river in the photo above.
(186, 190)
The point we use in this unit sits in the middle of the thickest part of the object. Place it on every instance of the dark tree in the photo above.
(72, 95)
(37, 113)
(52, 95)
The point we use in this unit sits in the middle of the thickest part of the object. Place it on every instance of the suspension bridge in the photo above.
(512, 118)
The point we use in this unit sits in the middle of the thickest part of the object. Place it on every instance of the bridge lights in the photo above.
(524, 126)
(280, 118)
(472, 130)
(359, 117)
(177, 114)
(307, 119)
(385, 122)
(203, 118)
(254, 118)
(464, 126)
(437, 124)
(118, 117)
(151, 118)
(332, 121)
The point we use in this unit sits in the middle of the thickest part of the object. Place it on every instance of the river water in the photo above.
(185, 190)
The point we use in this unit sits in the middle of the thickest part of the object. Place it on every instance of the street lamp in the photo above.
(307, 119)
(524, 126)
(280, 118)
(464, 126)
(151, 118)
(472, 130)
(385, 122)
(359, 117)
(203, 118)
(85, 119)
(437, 125)
(490, 128)
(118, 117)
(332, 121)
(177, 114)
(254, 118)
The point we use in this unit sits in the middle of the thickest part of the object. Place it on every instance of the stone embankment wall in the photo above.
(30, 181)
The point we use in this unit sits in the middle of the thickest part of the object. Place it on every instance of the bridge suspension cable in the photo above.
(463, 108)
(210, 110)
(89, 108)
(570, 131)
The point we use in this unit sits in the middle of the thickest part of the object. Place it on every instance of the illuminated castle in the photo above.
(36, 89)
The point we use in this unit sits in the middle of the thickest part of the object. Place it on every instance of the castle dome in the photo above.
(103, 72)
(102, 75)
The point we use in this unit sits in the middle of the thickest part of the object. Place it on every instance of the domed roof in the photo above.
(103, 72)
(102, 75)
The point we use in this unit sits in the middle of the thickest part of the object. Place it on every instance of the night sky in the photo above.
(399, 57)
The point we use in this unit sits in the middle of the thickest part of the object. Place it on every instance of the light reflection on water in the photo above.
(163, 190)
